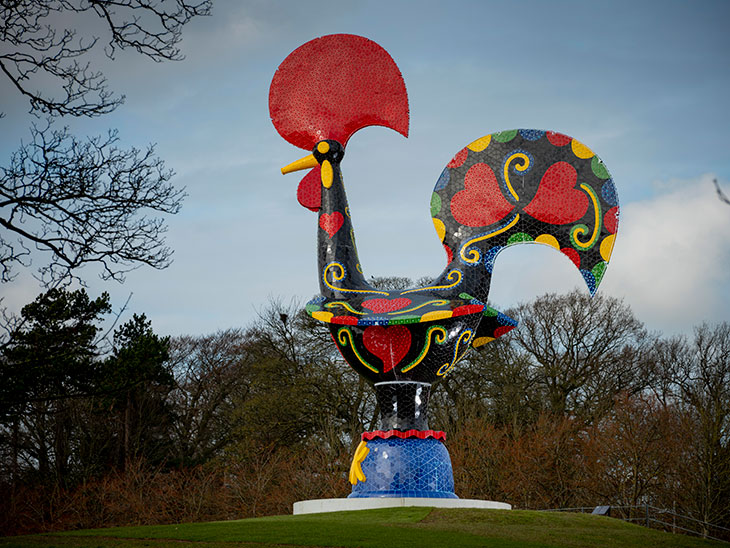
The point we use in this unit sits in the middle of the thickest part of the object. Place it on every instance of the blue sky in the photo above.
(644, 84)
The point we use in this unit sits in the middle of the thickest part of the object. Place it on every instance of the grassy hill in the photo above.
(392, 527)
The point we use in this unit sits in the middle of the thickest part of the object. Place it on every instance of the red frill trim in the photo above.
(420, 434)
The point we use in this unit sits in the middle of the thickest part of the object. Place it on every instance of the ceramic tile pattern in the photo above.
(506, 188)
(406, 468)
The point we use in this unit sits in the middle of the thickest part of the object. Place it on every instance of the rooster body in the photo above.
(502, 189)
(535, 198)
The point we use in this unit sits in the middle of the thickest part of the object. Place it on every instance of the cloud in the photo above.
(672, 256)
(670, 263)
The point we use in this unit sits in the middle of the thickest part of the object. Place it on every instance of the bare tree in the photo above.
(83, 200)
(35, 52)
(699, 371)
(584, 350)
(211, 374)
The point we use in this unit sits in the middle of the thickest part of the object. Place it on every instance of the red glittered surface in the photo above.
(390, 344)
(480, 203)
(420, 434)
(557, 200)
(334, 85)
(309, 191)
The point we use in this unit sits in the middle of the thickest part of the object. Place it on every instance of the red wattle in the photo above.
(309, 192)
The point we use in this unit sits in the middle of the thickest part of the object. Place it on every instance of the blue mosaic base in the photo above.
(406, 468)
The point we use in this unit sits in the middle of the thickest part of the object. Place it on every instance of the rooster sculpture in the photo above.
(503, 189)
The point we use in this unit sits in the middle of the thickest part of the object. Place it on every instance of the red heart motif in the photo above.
(556, 201)
(390, 344)
(331, 222)
(380, 306)
(481, 202)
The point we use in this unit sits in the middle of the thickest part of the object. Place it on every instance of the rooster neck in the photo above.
(338, 262)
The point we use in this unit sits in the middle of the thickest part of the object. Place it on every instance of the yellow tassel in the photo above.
(356, 473)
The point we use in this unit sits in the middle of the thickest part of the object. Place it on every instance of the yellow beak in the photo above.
(303, 163)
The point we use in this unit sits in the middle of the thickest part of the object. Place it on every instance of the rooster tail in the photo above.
(493, 324)
(524, 186)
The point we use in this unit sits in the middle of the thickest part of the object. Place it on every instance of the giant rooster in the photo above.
(502, 189)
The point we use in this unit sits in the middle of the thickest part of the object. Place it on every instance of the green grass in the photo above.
(391, 527)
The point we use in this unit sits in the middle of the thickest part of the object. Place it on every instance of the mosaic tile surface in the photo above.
(507, 188)
(405, 468)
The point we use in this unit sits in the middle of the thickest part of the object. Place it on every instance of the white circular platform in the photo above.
(317, 506)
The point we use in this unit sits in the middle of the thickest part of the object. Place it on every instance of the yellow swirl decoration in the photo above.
(338, 275)
(344, 335)
(581, 230)
(465, 337)
(453, 274)
(519, 167)
(474, 254)
(440, 338)
(344, 305)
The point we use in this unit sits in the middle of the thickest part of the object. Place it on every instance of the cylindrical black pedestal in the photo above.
(403, 405)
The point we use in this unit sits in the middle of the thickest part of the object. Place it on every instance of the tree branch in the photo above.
(720, 193)
(86, 202)
(34, 53)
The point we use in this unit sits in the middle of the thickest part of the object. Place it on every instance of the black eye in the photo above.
(328, 150)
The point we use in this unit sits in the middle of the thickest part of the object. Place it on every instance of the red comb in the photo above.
(332, 86)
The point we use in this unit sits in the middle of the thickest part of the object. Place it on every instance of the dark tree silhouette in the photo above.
(50, 363)
(137, 378)
(83, 200)
(35, 51)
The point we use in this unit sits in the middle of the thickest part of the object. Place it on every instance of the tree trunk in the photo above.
(127, 431)
(15, 442)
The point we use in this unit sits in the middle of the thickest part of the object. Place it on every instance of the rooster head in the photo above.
(326, 90)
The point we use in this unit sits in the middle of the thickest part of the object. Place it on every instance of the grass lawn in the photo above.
(388, 527)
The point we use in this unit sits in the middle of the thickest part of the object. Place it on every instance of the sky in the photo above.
(643, 84)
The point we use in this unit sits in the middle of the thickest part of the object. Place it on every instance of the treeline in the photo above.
(579, 406)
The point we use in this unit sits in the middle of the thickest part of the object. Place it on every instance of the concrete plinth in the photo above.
(317, 506)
